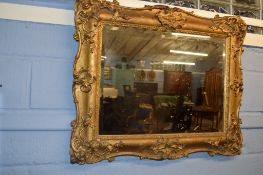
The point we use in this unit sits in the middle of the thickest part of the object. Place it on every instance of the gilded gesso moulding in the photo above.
(87, 146)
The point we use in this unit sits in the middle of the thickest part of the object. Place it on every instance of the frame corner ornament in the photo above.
(91, 151)
(232, 26)
(233, 143)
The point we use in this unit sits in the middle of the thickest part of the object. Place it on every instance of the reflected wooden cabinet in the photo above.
(145, 87)
(178, 83)
(214, 88)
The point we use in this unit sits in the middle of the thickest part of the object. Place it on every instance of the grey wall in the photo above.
(36, 108)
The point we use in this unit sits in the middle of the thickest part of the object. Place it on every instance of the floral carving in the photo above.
(237, 86)
(116, 9)
(172, 18)
(233, 143)
(165, 148)
(84, 79)
(84, 121)
(88, 21)
(237, 52)
(88, 18)
(91, 151)
(231, 25)
(87, 121)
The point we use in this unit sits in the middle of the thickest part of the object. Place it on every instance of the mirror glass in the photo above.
(155, 82)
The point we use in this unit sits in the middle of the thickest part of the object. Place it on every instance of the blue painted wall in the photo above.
(36, 108)
(63, 4)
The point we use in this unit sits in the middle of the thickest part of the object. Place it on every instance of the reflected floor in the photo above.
(122, 116)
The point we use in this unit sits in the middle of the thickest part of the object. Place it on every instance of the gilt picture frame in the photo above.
(87, 145)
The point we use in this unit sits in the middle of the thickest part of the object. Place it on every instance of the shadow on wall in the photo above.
(195, 156)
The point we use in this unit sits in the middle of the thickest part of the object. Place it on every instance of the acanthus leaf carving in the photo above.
(88, 21)
(91, 151)
(84, 150)
(237, 86)
(116, 9)
(84, 121)
(231, 25)
(88, 18)
(233, 143)
(165, 148)
(84, 79)
(172, 18)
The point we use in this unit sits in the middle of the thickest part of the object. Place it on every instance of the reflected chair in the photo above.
(170, 113)
(140, 111)
(129, 100)
(178, 115)
(211, 107)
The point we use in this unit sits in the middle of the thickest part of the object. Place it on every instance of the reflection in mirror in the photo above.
(156, 82)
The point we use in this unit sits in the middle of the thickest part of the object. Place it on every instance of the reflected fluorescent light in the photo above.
(189, 53)
(190, 35)
(103, 58)
(224, 54)
(114, 28)
(152, 63)
(178, 62)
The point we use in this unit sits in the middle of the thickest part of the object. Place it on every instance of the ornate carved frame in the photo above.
(87, 146)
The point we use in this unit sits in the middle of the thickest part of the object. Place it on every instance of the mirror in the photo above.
(155, 82)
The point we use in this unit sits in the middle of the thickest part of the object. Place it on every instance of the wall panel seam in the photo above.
(35, 57)
(254, 71)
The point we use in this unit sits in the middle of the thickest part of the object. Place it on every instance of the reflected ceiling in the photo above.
(157, 46)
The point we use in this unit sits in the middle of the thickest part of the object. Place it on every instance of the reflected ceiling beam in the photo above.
(165, 50)
(171, 57)
(150, 45)
(155, 47)
(121, 38)
(129, 43)
(137, 44)
(159, 48)
(140, 46)
(184, 45)
(196, 47)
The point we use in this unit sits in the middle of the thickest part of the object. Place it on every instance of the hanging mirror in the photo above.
(155, 82)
